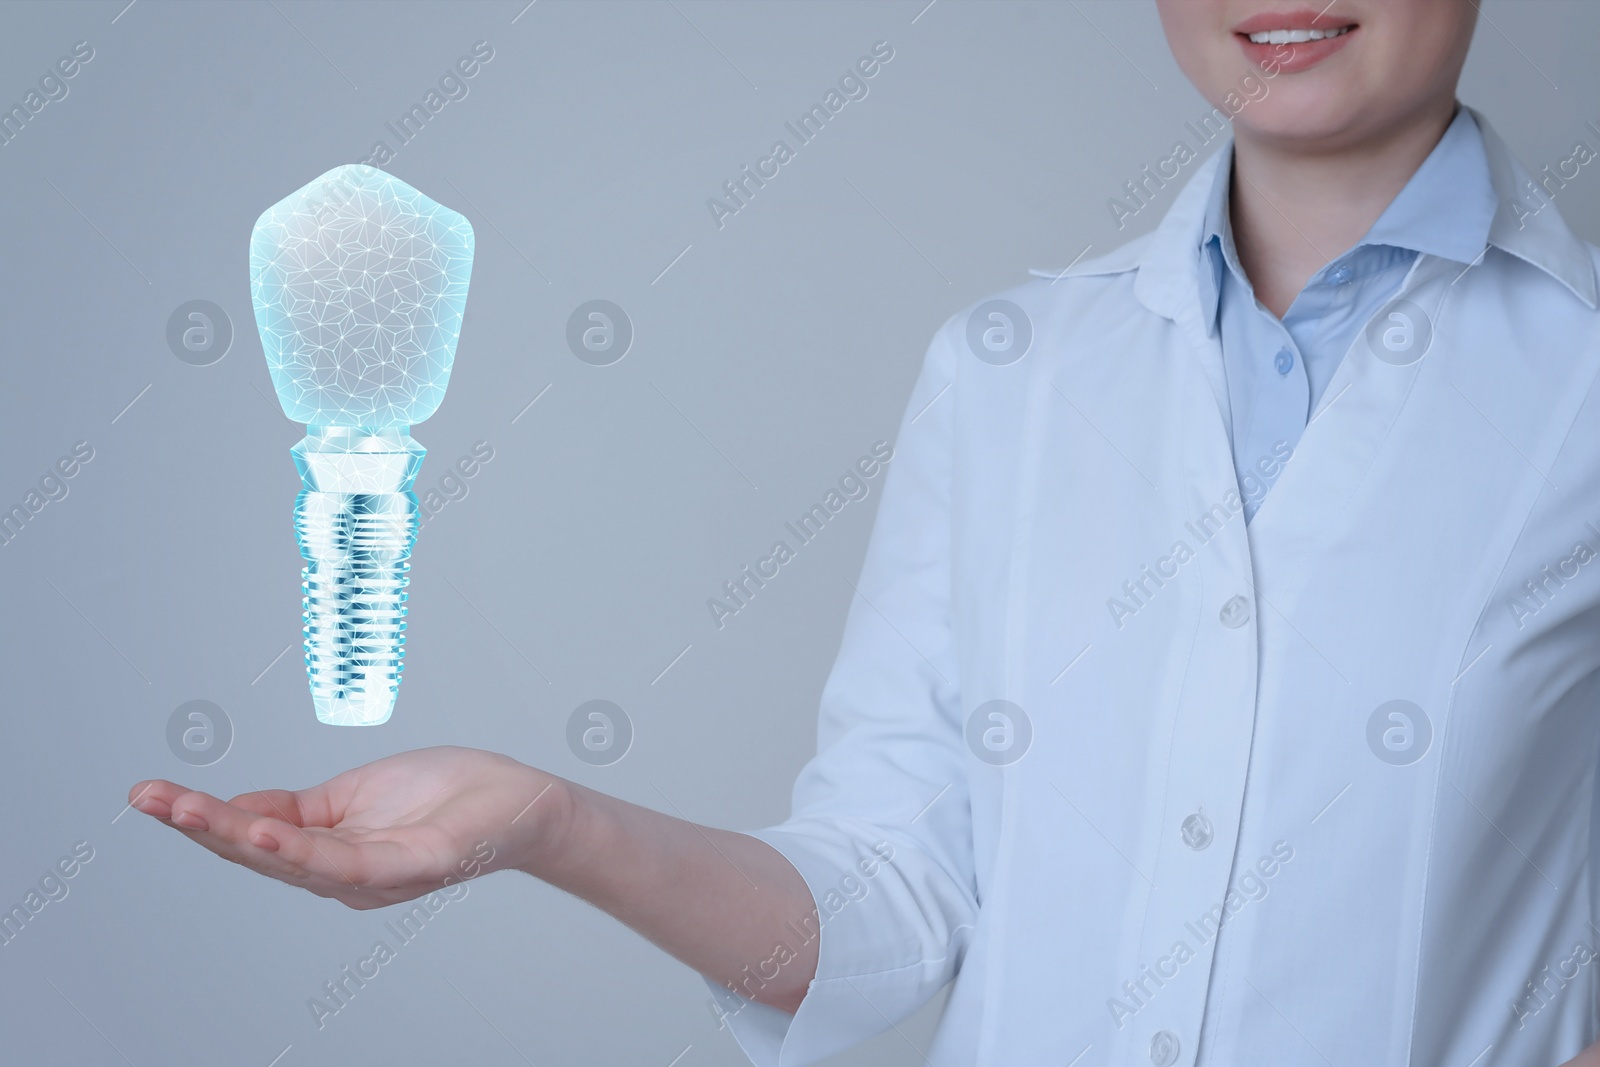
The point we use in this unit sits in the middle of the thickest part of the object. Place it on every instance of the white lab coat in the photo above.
(1398, 883)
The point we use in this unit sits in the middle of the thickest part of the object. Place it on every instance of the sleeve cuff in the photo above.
(849, 1000)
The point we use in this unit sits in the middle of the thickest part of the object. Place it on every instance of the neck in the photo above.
(1295, 209)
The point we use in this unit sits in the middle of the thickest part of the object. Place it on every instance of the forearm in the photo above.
(717, 900)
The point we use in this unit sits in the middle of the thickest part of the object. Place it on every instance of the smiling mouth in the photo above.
(1296, 36)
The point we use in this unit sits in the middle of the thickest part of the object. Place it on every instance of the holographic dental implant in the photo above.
(359, 283)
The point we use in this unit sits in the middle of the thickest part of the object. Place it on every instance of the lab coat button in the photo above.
(1235, 613)
(1164, 1048)
(1197, 832)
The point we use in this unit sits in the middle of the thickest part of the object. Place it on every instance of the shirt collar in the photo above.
(1169, 262)
(1448, 206)
(1445, 209)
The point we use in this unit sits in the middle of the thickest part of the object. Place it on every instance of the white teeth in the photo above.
(1295, 36)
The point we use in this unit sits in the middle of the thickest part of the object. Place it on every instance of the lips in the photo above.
(1289, 48)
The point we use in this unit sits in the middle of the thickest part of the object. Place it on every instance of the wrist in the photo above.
(569, 847)
(542, 832)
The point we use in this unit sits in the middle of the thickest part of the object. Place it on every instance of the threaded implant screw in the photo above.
(357, 548)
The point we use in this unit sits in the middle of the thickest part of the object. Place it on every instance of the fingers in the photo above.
(253, 832)
(255, 818)
(234, 833)
(155, 797)
(160, 798)
(305, 807)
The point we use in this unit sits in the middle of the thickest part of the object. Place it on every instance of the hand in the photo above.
(380, 834)
(421, 821)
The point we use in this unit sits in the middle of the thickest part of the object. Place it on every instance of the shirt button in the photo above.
(1164, 1048)
(1284, 361)
(1197, 832)
(1340, 275)
(1235, 612)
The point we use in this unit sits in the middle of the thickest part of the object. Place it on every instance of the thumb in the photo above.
(297, 807)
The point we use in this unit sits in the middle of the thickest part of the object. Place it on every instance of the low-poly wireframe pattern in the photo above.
(359, 283)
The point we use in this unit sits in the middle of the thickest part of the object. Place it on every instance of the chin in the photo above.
(1305, 122)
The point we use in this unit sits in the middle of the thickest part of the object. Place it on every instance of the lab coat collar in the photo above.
(1171, 270)
(1542, 238)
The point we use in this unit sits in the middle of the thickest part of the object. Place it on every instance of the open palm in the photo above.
(379, 834)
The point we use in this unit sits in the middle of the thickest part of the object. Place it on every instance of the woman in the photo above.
(1220, 688)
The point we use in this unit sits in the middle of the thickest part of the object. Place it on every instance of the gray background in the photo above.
(770, 356)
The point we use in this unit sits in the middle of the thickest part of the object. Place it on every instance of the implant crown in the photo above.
(359, 283)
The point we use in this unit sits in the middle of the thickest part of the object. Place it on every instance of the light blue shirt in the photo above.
(1278, 370)
(1143, 785)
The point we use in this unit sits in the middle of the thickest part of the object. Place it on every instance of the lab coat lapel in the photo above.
(1352, 423)
(1170, 278)
(1171, 275)
(1409, 344)
(1345, 433)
